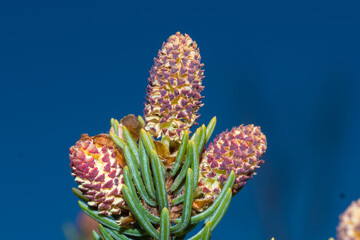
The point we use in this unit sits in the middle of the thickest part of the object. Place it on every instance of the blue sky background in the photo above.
(292, 67)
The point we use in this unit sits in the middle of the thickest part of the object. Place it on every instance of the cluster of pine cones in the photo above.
(147, 172)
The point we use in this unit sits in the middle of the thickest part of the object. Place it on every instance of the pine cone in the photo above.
(173, 94)
(97, 165)
(239, 150)
(349, 226)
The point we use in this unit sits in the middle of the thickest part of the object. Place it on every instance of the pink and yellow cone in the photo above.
(349, 225)
(173, 94)
(97, 165)
(238, 150)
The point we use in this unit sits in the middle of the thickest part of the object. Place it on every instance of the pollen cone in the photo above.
(97, 165)
(238, 150)
(173, 94)
(349, 226)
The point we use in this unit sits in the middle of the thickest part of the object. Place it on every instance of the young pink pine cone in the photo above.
(349, 226)
(173, 94)
(97, 165)
(240, 151)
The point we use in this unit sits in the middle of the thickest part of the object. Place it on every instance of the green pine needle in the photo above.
(207, 231)
(181, 153)
(139, 215)
(188, 199)
(131, 162)
(165, 224)
(104, 233)
(210, 129)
